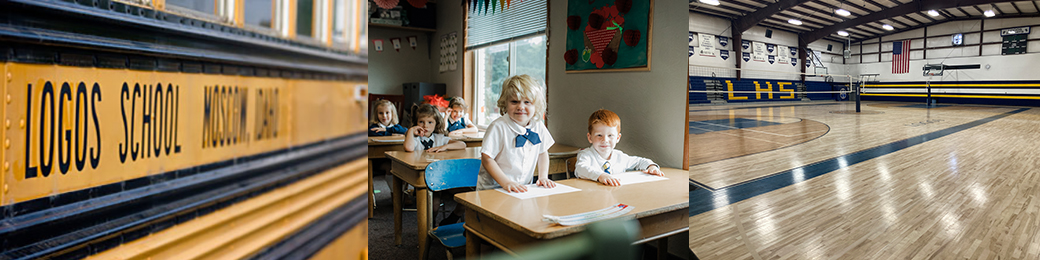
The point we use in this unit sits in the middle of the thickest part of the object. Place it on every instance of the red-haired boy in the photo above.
(601, 160)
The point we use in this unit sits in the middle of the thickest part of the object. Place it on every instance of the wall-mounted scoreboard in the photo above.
(1015, 40)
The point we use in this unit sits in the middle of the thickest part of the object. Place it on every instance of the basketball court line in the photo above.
(750, 130)
(748, 137)
(707, 199)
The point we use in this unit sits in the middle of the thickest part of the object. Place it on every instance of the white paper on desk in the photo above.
(534, 191)
(634, 177)
(385, 140)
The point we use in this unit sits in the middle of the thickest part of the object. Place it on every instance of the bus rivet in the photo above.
(21, 123)
(7, 123)
(7, 143)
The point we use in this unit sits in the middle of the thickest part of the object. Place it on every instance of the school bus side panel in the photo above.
(74, 128)
(323, 109)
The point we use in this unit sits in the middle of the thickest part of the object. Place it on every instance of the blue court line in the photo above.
(704, 200)
(732, 108)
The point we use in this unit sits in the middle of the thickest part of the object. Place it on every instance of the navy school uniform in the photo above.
(390, 130)
(461, 124)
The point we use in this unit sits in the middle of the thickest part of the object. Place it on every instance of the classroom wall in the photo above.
(707, 24)
(450, 18)
(1010, 67)
(389, 68)
(651, 103)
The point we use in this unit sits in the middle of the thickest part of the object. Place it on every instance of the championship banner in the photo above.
(771, 49)
(723, 41)
(783, 59)
(746, 56)
(758, 53)
(772, 59)
(707, 45)
(794, 61)
(724, 54)
(690, 52)
(745, 44)
(691, 37)
(816, 61)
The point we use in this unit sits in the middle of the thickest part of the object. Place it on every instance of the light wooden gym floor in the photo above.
(896, 182)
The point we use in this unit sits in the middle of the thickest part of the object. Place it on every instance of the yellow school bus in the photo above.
(183, 129)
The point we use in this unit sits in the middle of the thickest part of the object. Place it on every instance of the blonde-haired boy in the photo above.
(517, 141)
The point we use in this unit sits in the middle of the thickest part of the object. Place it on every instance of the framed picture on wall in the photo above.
(608, 35)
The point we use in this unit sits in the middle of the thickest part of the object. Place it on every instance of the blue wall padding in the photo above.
(747, 84)
(697, 83)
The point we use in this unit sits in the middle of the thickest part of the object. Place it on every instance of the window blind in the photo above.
(520, 20)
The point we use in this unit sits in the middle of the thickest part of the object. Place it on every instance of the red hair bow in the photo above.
(436, 100)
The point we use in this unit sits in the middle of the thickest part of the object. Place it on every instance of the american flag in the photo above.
(901, 57)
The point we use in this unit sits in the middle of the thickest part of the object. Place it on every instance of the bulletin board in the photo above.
(608, 35)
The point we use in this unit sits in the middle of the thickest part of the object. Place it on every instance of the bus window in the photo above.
(339, 22)
(202, 6)
(305, 18)
(259, 13)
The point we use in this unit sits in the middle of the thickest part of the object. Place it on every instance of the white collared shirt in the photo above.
(590, 164)
(517, 163)
(438, 140)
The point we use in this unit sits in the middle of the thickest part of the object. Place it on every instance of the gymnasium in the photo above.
(863, 129)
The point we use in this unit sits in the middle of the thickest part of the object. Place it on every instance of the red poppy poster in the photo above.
(608, 35)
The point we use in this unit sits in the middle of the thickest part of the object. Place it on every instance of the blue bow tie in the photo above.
(427, 143)
(521, 140)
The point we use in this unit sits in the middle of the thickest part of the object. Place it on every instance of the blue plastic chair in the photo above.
(450, 174)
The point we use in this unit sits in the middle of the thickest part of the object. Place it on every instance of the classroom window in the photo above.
(493, 64)
(305, 18)
(259, 13)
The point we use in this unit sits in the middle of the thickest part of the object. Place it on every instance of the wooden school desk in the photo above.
(510, 224)
(558, 155)
(410, 167)
(379, 145)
